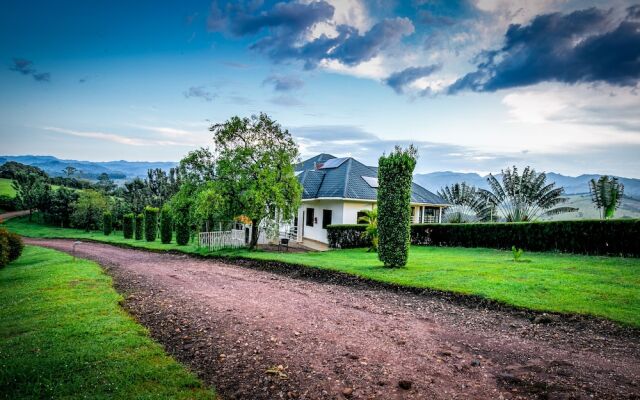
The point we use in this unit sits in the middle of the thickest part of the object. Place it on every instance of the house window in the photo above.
(326, 218)
(360, 215)
(309, 221)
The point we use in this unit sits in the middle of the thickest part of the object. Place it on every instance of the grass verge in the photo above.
(606, 287)
(63, 335)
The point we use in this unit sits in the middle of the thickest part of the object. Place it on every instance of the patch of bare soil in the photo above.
(260, 335)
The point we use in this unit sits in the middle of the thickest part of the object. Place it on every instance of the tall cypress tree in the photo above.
(395, 176)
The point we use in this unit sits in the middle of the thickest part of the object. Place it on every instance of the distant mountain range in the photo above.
(434, 181)
(117, 170)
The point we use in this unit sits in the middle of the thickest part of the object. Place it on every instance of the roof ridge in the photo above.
(346, 176)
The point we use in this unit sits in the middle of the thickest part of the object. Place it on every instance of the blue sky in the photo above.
(477, 85)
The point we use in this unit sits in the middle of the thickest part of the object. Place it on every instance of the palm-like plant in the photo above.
(523, 197)
(370, 218)
(606, 194)
(466, 204)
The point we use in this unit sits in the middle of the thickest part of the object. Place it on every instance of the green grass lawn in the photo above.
(5, 188)
(607, 287)
(63, 335)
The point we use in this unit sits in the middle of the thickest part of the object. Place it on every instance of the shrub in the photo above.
(517, 253)
(150, 223)
(107, 223)
(15, 246)
(348, 236)
(139, 226)
(395, 176)
(165, 225)
(4, 247)
(7, 203)
(594, 237)
(182, 232)
(127, 225)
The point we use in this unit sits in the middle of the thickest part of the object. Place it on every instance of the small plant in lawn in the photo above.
(107, 223)
(517, 254)
(370, 218)
(139, 226)
(165, 225)
(150, 223)
(127, 225)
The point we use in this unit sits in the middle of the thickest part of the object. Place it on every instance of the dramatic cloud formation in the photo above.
(400, 79)
(288, 31)
(582, 46)
(25, 67)
(283, 83)
(199, 92)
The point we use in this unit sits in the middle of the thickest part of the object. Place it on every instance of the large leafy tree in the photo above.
(523, 197)
(466, 204)
(136, 194)
(30, 190)
(254, 170)
(606, 195)
(395, 177)
(88, 210)
(62, 206)
(105, 184)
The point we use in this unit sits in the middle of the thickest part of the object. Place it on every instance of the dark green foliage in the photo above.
(88, 210)
(11, 169)
(595, 237)
(61, 207)
(127, 225)
(182, 232)
(139, 226)
(4, 247)
(395, 176)
(107, 223)
(150, 223)
(7, 203)
(165, 225)
(15, 246)
(30, 190)
(606, 195)
(348, 236)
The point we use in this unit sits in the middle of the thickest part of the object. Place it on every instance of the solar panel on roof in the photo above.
(373, 182)
(333, 163)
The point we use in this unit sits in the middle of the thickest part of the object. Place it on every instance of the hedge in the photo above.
(139, 226)
(150, 223)
(11, 247)
(593, 237)
(182, 232)
(395, 176)
(127, 225)
(165, 225)
(107, 223)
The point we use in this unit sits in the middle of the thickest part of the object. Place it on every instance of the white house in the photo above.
(335, 190)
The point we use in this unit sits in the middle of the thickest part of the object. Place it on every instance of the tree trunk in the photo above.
(30, 214)
(254, 237)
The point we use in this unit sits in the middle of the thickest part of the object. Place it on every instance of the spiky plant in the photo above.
(524, 197)
(606, 195)
(466, 204)
(370, 218)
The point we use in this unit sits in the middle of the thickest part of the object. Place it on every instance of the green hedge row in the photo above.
(595, 237)
(139, 226)
(166, 228)
(107, 223)
(127, 225)
(151, 223)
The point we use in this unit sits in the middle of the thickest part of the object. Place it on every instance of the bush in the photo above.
(182, 232)
(127, 225)
(7, 203)
(395, 177)
(107, 223)
(150, 223)
(165, 225)
(594, 237)
(139, 226)
(15, 246)
(348, 236)
(4, 248)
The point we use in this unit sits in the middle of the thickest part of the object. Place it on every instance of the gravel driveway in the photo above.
(261, 335)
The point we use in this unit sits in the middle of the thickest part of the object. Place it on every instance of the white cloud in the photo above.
(112, 137)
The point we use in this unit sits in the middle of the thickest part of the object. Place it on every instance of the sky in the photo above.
(476, 85)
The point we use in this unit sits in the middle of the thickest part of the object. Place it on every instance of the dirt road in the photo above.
(260, 335)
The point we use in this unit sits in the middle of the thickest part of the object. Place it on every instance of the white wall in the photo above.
(316, 232)
(351, 209)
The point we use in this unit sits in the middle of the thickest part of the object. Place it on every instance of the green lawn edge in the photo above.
(597, 286)
(64, 335)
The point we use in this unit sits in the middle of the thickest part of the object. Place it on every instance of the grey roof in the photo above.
(345, 179)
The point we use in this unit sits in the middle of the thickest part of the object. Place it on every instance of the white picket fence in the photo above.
(222, 239)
